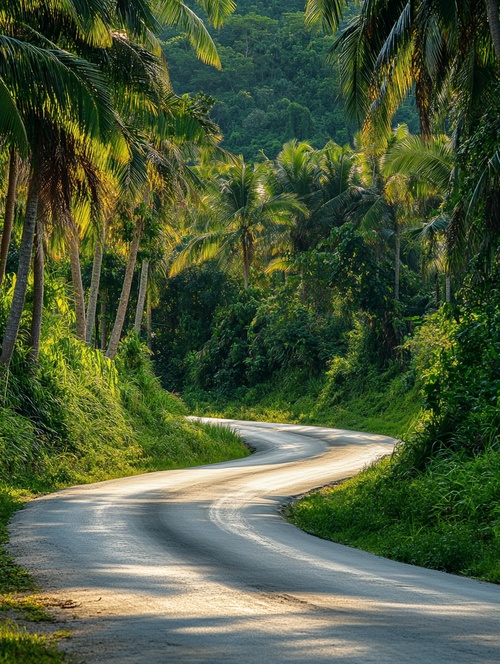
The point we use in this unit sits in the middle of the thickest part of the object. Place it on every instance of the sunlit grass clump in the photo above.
(18, 645)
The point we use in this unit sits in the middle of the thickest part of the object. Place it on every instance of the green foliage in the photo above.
(349, 391)
(183, 320)
(76, 417)
(445, 518)
(13, 578)
(18, 645)
(435, 503)
(275, 84)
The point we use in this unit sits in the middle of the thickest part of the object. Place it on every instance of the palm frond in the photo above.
(327, 12)
(217, 10)
(430, 159)
(11, 122)
(177, 13)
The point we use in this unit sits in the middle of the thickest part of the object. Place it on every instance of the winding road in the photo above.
(197, 566)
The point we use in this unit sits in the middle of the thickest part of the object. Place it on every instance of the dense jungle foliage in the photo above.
(333, 258)
(275, 84)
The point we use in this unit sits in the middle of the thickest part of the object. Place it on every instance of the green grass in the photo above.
(18, 645)
(444, 518)
(370, 402)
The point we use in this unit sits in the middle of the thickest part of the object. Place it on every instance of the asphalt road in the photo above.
(197, 566)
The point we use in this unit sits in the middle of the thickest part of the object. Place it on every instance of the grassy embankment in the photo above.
(76, 418)
(347, 397)
(436, 501)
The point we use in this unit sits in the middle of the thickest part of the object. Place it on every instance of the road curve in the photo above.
(196, 566)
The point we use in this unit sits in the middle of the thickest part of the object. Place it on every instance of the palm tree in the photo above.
(245, 209)
(383, 199)
(389, 48)
(320, 180)
(431, 166)
(10, 203)
(178, 130)
(33, 76)
(43, 133)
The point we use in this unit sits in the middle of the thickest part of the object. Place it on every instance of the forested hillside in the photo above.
(275, 84)
(275, 236)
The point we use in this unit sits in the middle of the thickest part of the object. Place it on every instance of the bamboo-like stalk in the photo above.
(141, 300)
(10, 205)
(38, 291)
(102, 316)
(76, 277)
(25, 251)
(94, 284)
(492, 10)
(125, 294)
(149, 323)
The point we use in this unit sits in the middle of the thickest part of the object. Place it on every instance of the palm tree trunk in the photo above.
(25, 250)
(139, 312)
(149, 323)
(125, 294)
(102, 315)
(10, 204)
(76, 278)
(94, 285)
(492, 9)
(38, 291)
(246, 246)
(448, 287)
(397, 264)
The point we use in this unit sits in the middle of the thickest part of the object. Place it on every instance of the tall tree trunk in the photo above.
(10, 205)
(76, 278)
(16, 310)
(38, 291)
(94, 284)
(448, 287)
(139, 312)
(492, 9)
(247, 248)
(96, 332)
(125, 294)
(149, 323)
(102, 316)
(397, 263)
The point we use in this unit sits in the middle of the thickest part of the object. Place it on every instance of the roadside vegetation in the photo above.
(342, 270)
(73, 418)
(94, 153)
(373, 305)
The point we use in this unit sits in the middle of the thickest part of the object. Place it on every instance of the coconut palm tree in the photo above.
(32, 76)
(10, 203)
(179, 130)
(72, 120)
(392, 47)
(383, 200)
(245, 209)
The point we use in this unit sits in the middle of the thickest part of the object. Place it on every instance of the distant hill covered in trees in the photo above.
(275, 84)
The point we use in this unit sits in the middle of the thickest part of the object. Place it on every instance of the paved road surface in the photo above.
(196, 566)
